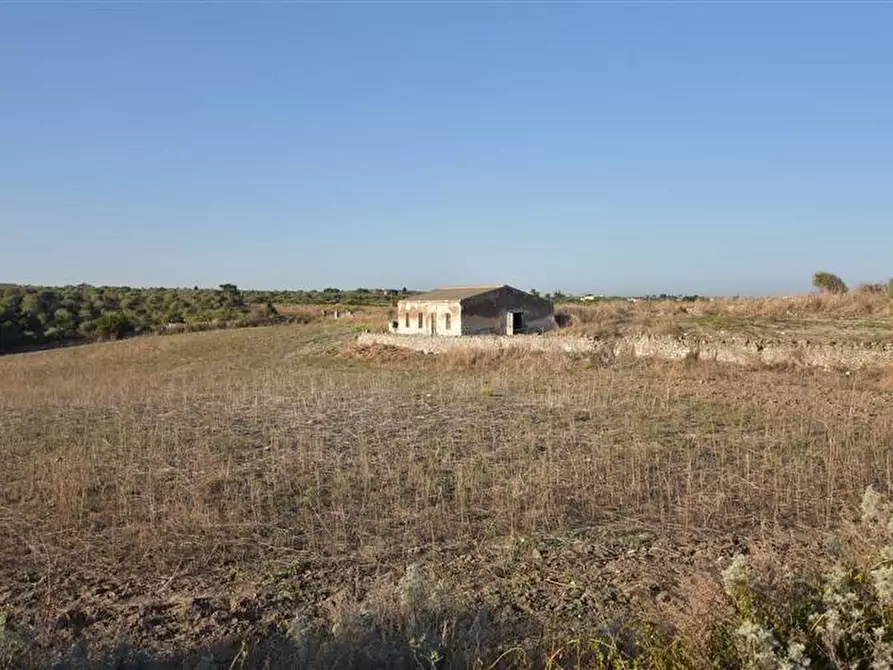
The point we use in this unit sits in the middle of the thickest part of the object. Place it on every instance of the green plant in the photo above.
(11, 645)
(890, 288)
(424, 653)
(114, 325)
(829, 283)
(844, 618)
(628, 648)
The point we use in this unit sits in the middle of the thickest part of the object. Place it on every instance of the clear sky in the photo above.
(616, 148)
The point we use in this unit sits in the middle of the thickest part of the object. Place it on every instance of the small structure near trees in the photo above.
(495, 309)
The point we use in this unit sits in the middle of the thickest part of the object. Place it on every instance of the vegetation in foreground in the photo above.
(275, 495)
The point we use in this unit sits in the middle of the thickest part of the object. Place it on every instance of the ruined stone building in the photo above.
(474, 310)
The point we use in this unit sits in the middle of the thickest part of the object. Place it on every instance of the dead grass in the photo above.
(362, 313)
(212, 464)
(858, 315)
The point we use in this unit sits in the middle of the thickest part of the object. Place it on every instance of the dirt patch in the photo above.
(378, 352)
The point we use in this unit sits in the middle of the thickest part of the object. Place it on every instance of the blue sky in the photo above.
(617, 148)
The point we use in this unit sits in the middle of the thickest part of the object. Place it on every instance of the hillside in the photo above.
(280, 496)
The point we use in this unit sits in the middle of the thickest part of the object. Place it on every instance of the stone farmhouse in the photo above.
(474, 310)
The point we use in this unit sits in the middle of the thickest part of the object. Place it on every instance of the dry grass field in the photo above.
(277, 497)
(858, 316)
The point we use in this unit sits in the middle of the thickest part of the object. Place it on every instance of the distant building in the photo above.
(474, 310)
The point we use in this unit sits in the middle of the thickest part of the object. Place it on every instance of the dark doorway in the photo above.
(517, 322)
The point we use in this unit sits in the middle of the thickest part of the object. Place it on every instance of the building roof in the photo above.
(453, 293)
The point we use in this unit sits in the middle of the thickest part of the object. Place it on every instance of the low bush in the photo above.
(839, 617)
(11, 645)
(113, 325)
(829, 282)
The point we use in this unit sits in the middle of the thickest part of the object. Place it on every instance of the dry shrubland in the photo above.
(263, 494)
(866, 314)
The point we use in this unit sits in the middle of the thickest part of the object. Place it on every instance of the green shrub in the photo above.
(113, 325)
(829, 282)
(842, 618)
(11, 646)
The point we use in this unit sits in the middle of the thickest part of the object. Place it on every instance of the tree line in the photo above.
(37, 315)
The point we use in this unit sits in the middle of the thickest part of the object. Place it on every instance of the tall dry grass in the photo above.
(169, 449)
(248, 450)
(813, 312)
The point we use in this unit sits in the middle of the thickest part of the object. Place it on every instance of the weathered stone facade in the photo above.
(438, 318)
(477, 310)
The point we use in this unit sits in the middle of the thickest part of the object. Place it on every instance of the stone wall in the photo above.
(438, 345)
(737, 350)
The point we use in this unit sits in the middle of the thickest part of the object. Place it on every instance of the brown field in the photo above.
(858, 316)
(276, 497)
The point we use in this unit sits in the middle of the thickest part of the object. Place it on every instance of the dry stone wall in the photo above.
(738, 350)
(438, 345)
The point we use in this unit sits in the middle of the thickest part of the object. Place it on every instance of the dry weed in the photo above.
(860, 315)
(203, 463)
